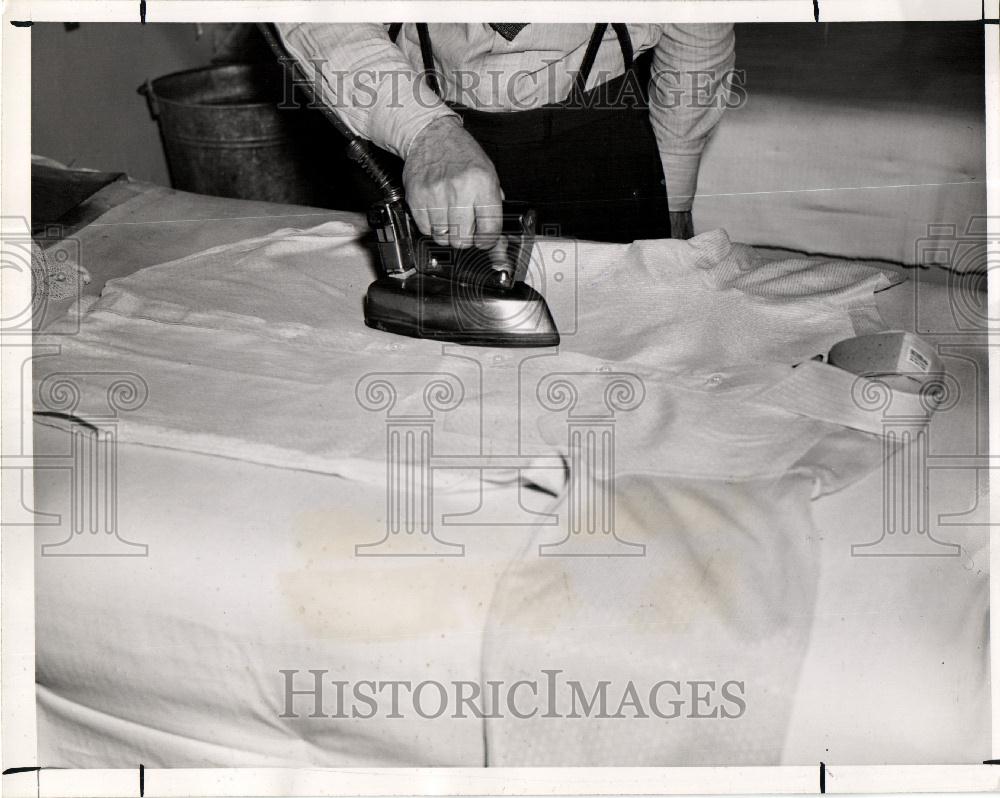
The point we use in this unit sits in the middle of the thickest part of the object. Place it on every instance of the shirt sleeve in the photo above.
(367, 81)
(689, 89)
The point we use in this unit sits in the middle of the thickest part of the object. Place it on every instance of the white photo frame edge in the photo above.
(18, 736)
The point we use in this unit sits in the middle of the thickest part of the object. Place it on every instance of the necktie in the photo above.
(508, 29)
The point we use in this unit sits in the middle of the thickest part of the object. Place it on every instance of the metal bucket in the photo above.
(224, 134)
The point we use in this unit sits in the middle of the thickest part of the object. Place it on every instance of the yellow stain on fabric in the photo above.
(336, 594)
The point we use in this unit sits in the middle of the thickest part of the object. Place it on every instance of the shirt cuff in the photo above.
(403, 110)
(681, 172)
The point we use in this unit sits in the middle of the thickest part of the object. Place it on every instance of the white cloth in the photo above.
(255, 351)
(226, 337)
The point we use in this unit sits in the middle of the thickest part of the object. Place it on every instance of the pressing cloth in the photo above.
(697, 354)
(275, 323)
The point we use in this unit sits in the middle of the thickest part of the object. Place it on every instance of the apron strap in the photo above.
(393, 31)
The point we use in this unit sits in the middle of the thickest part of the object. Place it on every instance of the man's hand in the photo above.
(452, 187)
(681, 225)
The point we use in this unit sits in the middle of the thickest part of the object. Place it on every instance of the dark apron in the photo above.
(589, 165)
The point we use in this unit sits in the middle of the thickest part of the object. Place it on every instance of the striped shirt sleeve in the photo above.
(689, 89)
(367, 81)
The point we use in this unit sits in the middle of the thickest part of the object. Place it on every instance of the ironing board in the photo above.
(110, 693)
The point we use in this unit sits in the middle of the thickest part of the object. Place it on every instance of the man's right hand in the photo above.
(452, 187)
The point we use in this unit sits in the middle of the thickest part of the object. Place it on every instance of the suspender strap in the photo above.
(621, 29)
(428, 58)
(394, 29)
(588, 59)
(579, 84)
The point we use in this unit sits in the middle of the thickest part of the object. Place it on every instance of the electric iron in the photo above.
(466, 296)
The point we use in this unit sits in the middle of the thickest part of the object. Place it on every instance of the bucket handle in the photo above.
(146, 89)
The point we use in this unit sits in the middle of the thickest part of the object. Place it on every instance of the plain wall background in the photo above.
(85, 110)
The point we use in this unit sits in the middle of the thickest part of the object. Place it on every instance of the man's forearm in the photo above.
(692, 68)
(366, 80)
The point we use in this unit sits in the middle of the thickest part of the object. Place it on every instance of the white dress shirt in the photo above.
(376, 87)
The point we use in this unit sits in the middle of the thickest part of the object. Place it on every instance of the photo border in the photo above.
(18, 733)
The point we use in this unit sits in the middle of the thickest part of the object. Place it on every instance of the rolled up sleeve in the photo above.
(689, 90)
(366, 80)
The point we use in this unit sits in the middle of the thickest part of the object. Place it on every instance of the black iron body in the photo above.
(468, 296)
(426, 306)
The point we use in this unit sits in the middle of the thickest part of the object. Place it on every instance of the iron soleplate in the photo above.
(439, 309)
